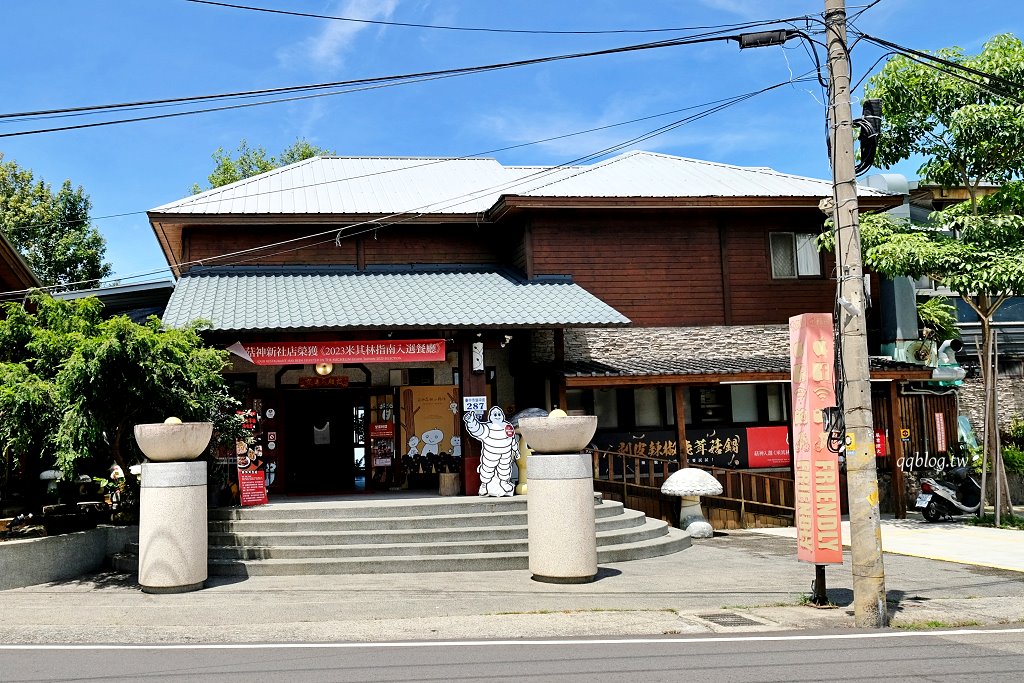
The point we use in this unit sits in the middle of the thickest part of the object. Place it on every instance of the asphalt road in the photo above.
(949, 655)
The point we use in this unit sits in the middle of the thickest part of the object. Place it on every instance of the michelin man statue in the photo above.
(499, 446)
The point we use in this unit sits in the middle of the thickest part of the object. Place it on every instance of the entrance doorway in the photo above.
(323, 436)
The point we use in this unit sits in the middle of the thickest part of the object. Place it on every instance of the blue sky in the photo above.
(64, 53)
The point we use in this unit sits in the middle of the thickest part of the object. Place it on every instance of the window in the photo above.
(606, 407)
(794, 254)
(647, 407)
(576, 402)
(776, 402)
(744, 403)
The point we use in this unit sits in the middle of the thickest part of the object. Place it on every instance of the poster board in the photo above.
(252, 487)
(429, 429)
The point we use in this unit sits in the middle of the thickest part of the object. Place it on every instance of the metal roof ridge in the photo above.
(213, 191)
(768, 170)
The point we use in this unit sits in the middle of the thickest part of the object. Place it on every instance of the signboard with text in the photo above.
(382, 430)
(474, 404)
(718, 447)
(731, 447)
(384, 351)
(768, 447)
(252, 488)
(812, 358)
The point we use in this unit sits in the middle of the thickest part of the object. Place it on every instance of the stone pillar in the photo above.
(562, 529)
(173, 527)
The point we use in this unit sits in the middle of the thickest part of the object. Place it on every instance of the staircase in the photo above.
(385, 536)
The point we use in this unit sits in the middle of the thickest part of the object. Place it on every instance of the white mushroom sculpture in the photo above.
(691, 483)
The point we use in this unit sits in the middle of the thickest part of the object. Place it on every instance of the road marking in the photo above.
(492, 643)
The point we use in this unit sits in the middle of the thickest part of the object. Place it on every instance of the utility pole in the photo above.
(862, 480)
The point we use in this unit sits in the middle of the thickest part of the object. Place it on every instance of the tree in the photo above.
(253, 161)
(72, 385)
(968, 134)
(51, 229)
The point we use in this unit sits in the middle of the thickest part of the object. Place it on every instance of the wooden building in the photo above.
(16, 277)
(651, 290)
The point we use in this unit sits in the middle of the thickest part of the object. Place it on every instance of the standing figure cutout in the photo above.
(498, 448)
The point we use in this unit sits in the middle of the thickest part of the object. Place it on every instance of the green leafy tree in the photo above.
(967, 134)
(248, 161)
(937, 314)
(51, 229)
(73, 385)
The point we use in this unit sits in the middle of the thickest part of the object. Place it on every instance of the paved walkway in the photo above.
(752, 580)
(946, 541)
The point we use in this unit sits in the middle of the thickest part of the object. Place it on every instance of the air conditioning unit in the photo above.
(398, 377)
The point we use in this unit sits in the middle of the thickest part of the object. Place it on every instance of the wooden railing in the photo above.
(766, 493)
(636, 481)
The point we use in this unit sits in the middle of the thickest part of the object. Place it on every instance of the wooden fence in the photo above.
(748, 498)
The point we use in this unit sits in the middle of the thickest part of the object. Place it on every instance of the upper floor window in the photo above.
(794, 254)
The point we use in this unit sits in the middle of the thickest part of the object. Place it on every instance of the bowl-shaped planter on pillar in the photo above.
(561, 527)
(173, 546)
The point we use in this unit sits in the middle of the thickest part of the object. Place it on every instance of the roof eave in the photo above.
(509, 203)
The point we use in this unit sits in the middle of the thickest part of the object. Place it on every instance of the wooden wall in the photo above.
(658, 267)
(397, 245)
(664, 268)
(751, 286)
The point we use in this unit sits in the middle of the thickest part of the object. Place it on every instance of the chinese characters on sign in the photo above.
(474, 404)
(768, 447)
(322, 382)
(722, 447)
(732, 447)
(812, 355)
(940, 433)
(388, 351)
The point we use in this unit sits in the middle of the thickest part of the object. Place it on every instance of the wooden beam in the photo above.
(899, 489)
(598, 381)
(679, 402)
(528, 251)
(723, 256)
(558, 384)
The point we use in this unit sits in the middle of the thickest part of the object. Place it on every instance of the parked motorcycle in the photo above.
(958, 495)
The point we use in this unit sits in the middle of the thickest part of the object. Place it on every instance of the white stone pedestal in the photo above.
(561, 527)
(172, 527)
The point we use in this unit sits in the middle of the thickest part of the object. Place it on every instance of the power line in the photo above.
(403, 24)
(687, 40)
(412, 214)
(431, 162)
(910, 52)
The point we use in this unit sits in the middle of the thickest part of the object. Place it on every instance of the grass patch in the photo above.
(926, 625)
(1008, 521)
(767, 604)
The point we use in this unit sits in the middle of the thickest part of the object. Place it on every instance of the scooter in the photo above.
(961, 494)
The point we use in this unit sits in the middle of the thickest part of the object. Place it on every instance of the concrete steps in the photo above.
(403, 535)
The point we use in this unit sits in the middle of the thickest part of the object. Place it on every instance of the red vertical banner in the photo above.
(812, 358)
(940, 434)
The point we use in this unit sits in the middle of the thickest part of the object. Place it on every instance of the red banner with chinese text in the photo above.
(385, 351)
(812, 357)
(768, 447)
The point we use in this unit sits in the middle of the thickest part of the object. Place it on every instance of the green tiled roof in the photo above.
(268, 299)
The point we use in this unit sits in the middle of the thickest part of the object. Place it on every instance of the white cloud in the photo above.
(518, 126)
(327, 47)
(756, 9)
(739, 7)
